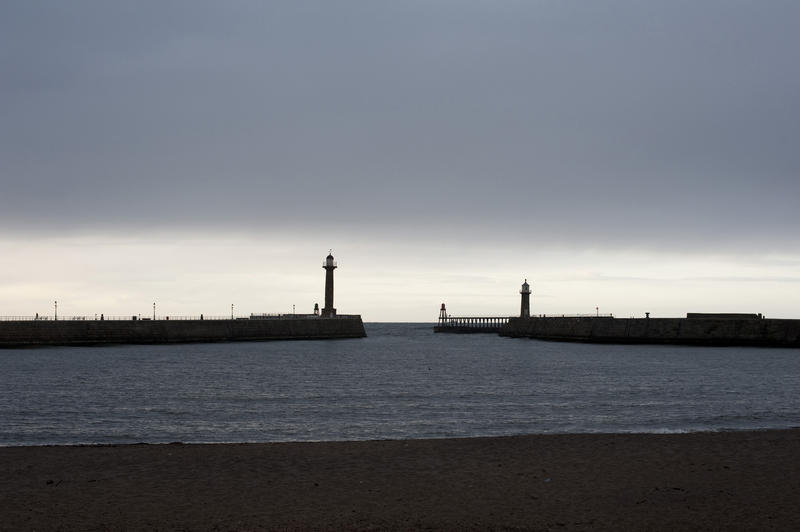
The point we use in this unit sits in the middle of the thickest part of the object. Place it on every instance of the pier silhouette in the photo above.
(469, 324)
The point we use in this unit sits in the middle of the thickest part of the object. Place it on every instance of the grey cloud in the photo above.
(620, 122)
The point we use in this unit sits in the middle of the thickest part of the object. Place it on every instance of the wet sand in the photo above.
(701, 481)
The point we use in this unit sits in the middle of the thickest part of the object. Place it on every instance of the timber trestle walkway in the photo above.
(469, 324)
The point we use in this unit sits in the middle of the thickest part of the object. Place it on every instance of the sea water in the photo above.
(402, 381)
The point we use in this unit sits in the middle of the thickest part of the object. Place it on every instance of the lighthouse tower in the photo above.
(525, 307)
(329, 265)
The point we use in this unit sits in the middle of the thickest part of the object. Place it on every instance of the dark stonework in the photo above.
(99, 332)
(688, 331)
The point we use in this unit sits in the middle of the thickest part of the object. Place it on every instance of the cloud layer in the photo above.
(626, 123)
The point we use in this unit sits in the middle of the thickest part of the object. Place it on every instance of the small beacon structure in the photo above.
(525, 306)
(329, 265)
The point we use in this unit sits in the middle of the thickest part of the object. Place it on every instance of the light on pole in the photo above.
(597, 309)
(231, 310)
(55, 312)
(292, 310)
(154, 311)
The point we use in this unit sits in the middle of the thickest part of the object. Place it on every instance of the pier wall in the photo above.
(97, 332)
(694, 331)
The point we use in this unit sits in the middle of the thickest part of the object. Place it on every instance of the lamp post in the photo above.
(154, 311)
(55, 312)
(597, 310)
(231, 310)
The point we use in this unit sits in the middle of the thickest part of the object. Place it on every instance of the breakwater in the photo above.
(24, 333)
(688, 331)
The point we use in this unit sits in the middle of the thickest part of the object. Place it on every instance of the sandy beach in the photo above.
(700, 481)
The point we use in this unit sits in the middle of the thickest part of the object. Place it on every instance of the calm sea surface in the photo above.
(403, 381)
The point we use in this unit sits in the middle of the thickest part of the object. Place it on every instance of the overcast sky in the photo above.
(602, 149)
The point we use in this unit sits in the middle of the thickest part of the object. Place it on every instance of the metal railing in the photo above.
(473, 321)
(572, 316)
(137, 317)
(102, 317)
